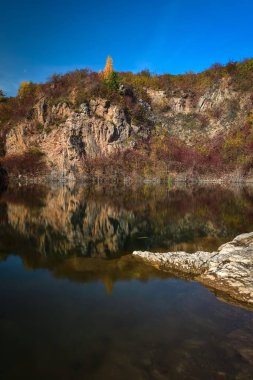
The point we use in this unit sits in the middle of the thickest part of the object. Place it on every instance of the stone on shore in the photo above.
(229, 270)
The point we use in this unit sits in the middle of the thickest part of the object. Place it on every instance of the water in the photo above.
(74, 304)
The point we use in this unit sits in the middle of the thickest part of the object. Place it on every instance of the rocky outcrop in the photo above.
(194, 117)
(66, 136)
(229, 270)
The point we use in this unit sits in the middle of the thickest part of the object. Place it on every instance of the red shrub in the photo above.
(28, 163)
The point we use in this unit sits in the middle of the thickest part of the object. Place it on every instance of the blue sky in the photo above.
(39, 38)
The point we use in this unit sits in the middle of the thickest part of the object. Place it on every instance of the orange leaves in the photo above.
(108, 70)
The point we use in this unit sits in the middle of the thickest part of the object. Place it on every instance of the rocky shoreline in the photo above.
(229, 271)
(171, 178)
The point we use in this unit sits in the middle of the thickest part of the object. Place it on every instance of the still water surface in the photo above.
(74, 304)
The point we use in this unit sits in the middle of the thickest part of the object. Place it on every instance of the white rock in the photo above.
(229, 270)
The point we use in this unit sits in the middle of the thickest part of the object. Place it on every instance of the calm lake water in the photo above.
(74, 304)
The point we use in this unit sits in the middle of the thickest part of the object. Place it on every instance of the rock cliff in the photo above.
(66, 136)
(69, 132)
(195, 118)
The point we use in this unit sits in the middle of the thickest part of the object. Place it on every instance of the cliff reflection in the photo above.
(60, 228)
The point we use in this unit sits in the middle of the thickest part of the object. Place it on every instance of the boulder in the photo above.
(228, 270)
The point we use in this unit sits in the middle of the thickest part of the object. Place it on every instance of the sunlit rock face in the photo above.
(194, 118)
(67, 136)
(98, 128)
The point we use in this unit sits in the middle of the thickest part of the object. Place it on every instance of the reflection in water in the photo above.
(48, 226)
(101, 222)
(141, 324)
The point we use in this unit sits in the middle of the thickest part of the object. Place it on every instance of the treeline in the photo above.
(239, 73)
(80, 86)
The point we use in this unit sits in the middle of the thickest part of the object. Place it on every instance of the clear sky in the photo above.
(39, 38)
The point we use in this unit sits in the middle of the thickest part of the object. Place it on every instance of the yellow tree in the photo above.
(108, 70)
(25, 89)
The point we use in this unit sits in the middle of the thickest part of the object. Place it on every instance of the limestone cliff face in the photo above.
(98, 128)
(66, 136)
(195, 117)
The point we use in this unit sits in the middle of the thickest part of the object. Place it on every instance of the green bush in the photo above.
(112, 81)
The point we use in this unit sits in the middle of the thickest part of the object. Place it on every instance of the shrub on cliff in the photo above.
(26, 89)
(243, 76)
(3, 179)
(2, 96)
(112, 81)
(29, 163)
(110, 77)
(15, 108)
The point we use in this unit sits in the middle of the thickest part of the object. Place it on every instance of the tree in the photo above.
(113, 81)
(108, 70)
(25, 89)
(109, 76)
(2, 96)
(145, 73)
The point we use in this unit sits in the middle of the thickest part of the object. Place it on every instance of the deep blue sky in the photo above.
(39, 38)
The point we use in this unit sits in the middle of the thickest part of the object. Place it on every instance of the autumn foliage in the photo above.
(108, 70)
(26, 89)
(158, 153)
(28, 163)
